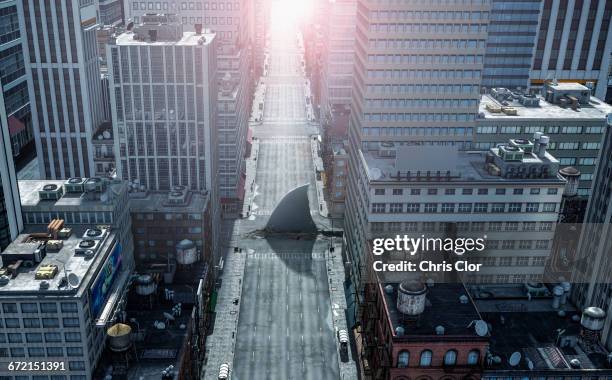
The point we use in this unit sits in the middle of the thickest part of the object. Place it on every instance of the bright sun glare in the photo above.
(287, 13)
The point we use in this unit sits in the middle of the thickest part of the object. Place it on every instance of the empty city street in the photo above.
(285, 326)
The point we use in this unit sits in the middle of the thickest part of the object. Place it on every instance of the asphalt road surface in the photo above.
(285, 325)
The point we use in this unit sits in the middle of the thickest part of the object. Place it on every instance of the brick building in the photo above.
(414, 331)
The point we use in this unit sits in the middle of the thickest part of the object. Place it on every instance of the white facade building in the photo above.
(64, 83)
(512, 202)
(163, 89)
(229, 21)
(48, 317)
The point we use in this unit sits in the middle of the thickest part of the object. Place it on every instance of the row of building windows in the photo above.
(83, 217)
(45, 307)
(469, 191)
(422, 131)
(426, 44)
(422, 103)
(427, 28)
(553, 129)
(462, 226)
(410, 208)
(510, 261)
(429, 15)
(503, 278)
(41, 352)
(185, 5)
(425, 59)
(426, 358)
(50, 337)
(16, 323)
(411, 116)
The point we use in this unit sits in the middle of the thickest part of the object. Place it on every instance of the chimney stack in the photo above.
(543, 145)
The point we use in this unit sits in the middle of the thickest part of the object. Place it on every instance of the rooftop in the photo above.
(594, 110)
(442, 308)
(545, 339)
(188, 39)
(159, 347)
(443, 164)
(29, 191)
(58, 261)
(160, 201)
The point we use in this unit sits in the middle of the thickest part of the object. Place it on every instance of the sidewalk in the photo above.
(220, 345)
(249, 182)
(335, 273)
(318, 167)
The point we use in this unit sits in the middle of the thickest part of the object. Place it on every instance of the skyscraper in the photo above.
(574, 43)
(417, 72)
(337, 55)
(10, 208)
(163, 92)
(14, 114)
(512, 34)
(230, 23)
(64, 80)
(417, 76)
(592, 268)
(13, 79)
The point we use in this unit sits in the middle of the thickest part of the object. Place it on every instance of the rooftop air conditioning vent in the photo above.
(75, 185)
(87, 247)
(95, 234)
(95, 185)
(50, 191)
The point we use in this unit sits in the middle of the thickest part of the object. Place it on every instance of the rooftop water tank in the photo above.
(593, 318)
(119, 337)
(411, 297)
(145, 285)
(186, 253)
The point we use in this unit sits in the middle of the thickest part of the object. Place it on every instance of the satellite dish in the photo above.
(515, 359)
(481, 328)
(73, 280)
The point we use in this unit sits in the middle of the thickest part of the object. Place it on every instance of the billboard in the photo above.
(103, 284)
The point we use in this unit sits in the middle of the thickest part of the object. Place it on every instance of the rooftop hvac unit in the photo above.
(511, 153)
(87, 247)
(50, 191)
(75, 185)
(524, 144)
(95, 234)
(54, 245)
(95, 185)
(177, 197)
(46, 272)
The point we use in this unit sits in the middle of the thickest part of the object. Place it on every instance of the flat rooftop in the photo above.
(157, 201)
(188, 39)
(463, 165)
(535, 336)
(65, 260)
(595, 110)
(28, 191)
(442, 309)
